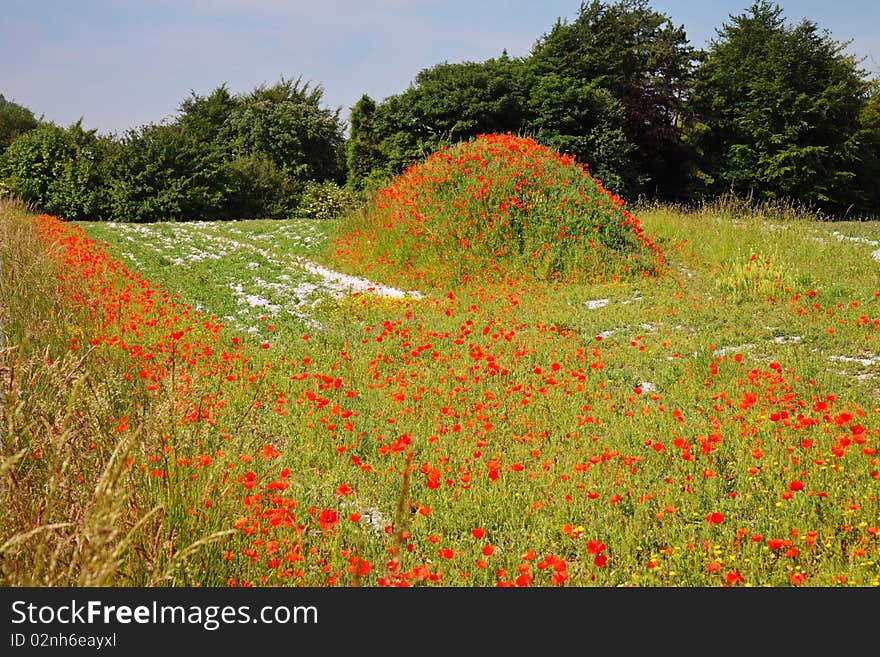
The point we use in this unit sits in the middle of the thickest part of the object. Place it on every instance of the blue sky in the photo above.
(121, 64)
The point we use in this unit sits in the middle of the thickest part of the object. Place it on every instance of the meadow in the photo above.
(375, 401)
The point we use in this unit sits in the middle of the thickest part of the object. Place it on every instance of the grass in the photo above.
(716, 425)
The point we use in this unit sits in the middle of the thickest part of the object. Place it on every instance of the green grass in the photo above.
(509, 378)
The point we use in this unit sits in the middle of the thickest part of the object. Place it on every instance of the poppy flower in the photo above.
(328, 519)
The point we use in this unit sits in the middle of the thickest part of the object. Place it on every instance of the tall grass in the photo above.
(74, 512)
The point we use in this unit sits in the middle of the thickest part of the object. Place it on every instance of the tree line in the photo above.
(770, 110)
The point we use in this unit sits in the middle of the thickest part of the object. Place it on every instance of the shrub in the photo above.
(14, 120)
(256, 188)
(325, 200)
(59, 170)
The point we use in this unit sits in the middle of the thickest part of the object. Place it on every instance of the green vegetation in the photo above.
(224, 157)
(771, 111)
(778, 113)
(215, 410)
(496, 206)
(14, 120)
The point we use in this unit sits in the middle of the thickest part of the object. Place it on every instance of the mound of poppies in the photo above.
(497, 206)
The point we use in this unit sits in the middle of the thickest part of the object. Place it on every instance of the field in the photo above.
(227, 404)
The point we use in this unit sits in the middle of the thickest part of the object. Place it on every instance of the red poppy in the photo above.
(734, 577)
(328, 519)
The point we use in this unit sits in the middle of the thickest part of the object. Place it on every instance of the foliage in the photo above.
(256, 188)
(224, 156)
(14, 120)
(203, 117)
(325, 200)
(607, 88)
(60, 170)
(160, 172)
(646, 63)
(454, 102)
(865, 186)
(363, 149)
(448, 103)
(286, 123)
(777, 110)
(584, 120)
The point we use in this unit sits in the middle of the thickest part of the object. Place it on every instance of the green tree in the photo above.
(203, 117)
(59, 171)
(287, 124)
(454, 102)
(777, 111)
(584, 119)
(363, 148)
(646, 63)
(448, 103)
(866, 185)
(160, 173)
(14, 120)
(257, 189)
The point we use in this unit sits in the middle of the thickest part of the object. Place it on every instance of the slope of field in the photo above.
(714, 426)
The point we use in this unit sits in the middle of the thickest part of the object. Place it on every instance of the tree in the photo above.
(287, 124)
(448, 103)
(455, 102)
(59, 171)
(223, 156)
(271, 141)
(160, 173)
(646, 63)
(256, 189)
(777, 111)
(866, 184)
(363, 149)
(14, 120)
(585, 120)
(203, 117)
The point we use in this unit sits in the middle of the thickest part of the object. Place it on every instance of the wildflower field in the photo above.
(495, 373)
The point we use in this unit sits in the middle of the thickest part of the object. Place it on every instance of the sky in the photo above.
(121, 64)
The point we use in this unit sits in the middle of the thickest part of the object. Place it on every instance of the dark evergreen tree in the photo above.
(777, 112)
(363, 149)
(646, 63)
